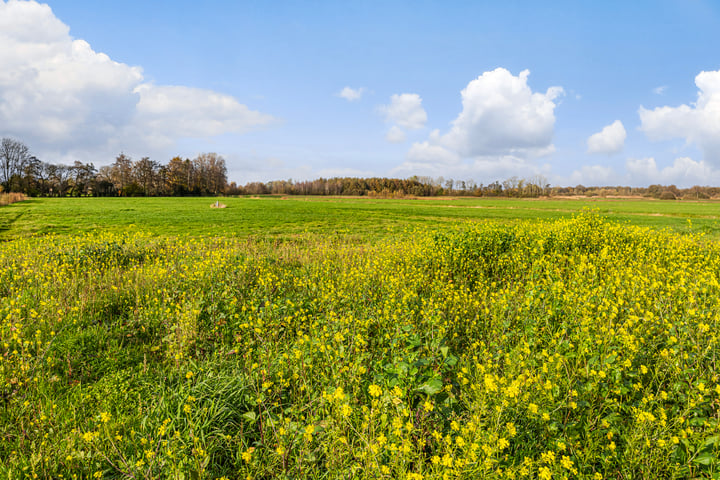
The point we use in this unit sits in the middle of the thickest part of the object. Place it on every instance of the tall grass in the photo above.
(8, 198)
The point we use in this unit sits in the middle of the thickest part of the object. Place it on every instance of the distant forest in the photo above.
(207, 175)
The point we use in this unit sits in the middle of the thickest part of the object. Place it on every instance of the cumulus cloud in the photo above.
(351, 94)
(503, 125)
(501, 115)
(395, 135)
(405, 110)
(610, 139)
(58, 94)
(697, 123)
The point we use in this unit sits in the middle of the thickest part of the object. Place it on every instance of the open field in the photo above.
(360, 217)
(355, 338)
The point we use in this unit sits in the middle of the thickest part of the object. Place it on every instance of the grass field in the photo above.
(363, 218)
(357, 338)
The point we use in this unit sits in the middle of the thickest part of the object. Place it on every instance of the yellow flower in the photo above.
(247, 454)
(548, 457)
(375, 390)
(428, 406)
(544, 473)
(189, 374)
(309, 430)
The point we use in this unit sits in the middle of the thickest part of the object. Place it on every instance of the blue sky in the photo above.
(261, 82)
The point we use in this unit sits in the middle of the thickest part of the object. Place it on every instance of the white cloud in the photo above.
(395, 135)
(503, 126)
(405, 110)
(660, 90)
(427, 158)
(172, 111)
(502, 116)
(698, 123)
(428, 153)
(610, 139)
(590, 176)
(58, 95)
(684, 172)
(351, 94)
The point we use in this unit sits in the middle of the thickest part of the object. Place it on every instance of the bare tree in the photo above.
(145, 172)
(14, 155)
(122, 171)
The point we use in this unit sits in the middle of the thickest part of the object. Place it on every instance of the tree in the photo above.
(211, 173)
(14, 156)
(122, 171)
(146, 172)
(83, 177)
(59, 176)
(178, 177)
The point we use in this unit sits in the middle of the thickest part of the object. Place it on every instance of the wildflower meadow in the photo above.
(576, 347)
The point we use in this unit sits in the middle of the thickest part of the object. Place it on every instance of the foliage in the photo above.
(578, 348)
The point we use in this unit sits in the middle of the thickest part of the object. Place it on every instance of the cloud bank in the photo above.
(684, 172)
(64, 98)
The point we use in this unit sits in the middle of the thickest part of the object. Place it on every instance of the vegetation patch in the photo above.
(576, 348)
(8, 198)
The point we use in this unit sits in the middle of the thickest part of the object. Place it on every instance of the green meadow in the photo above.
(360, 217)
(336, 338)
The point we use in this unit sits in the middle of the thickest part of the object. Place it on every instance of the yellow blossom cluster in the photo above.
(578, 348)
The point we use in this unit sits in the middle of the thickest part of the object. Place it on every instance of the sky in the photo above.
(573, 92)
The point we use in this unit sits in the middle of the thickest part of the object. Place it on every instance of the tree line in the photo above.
(206, 174)
(22, 172)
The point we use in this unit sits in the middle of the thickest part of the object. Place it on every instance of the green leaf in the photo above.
(705, 458)
(250, 416)
(710, 441)
(432, 387)
(444, 351)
